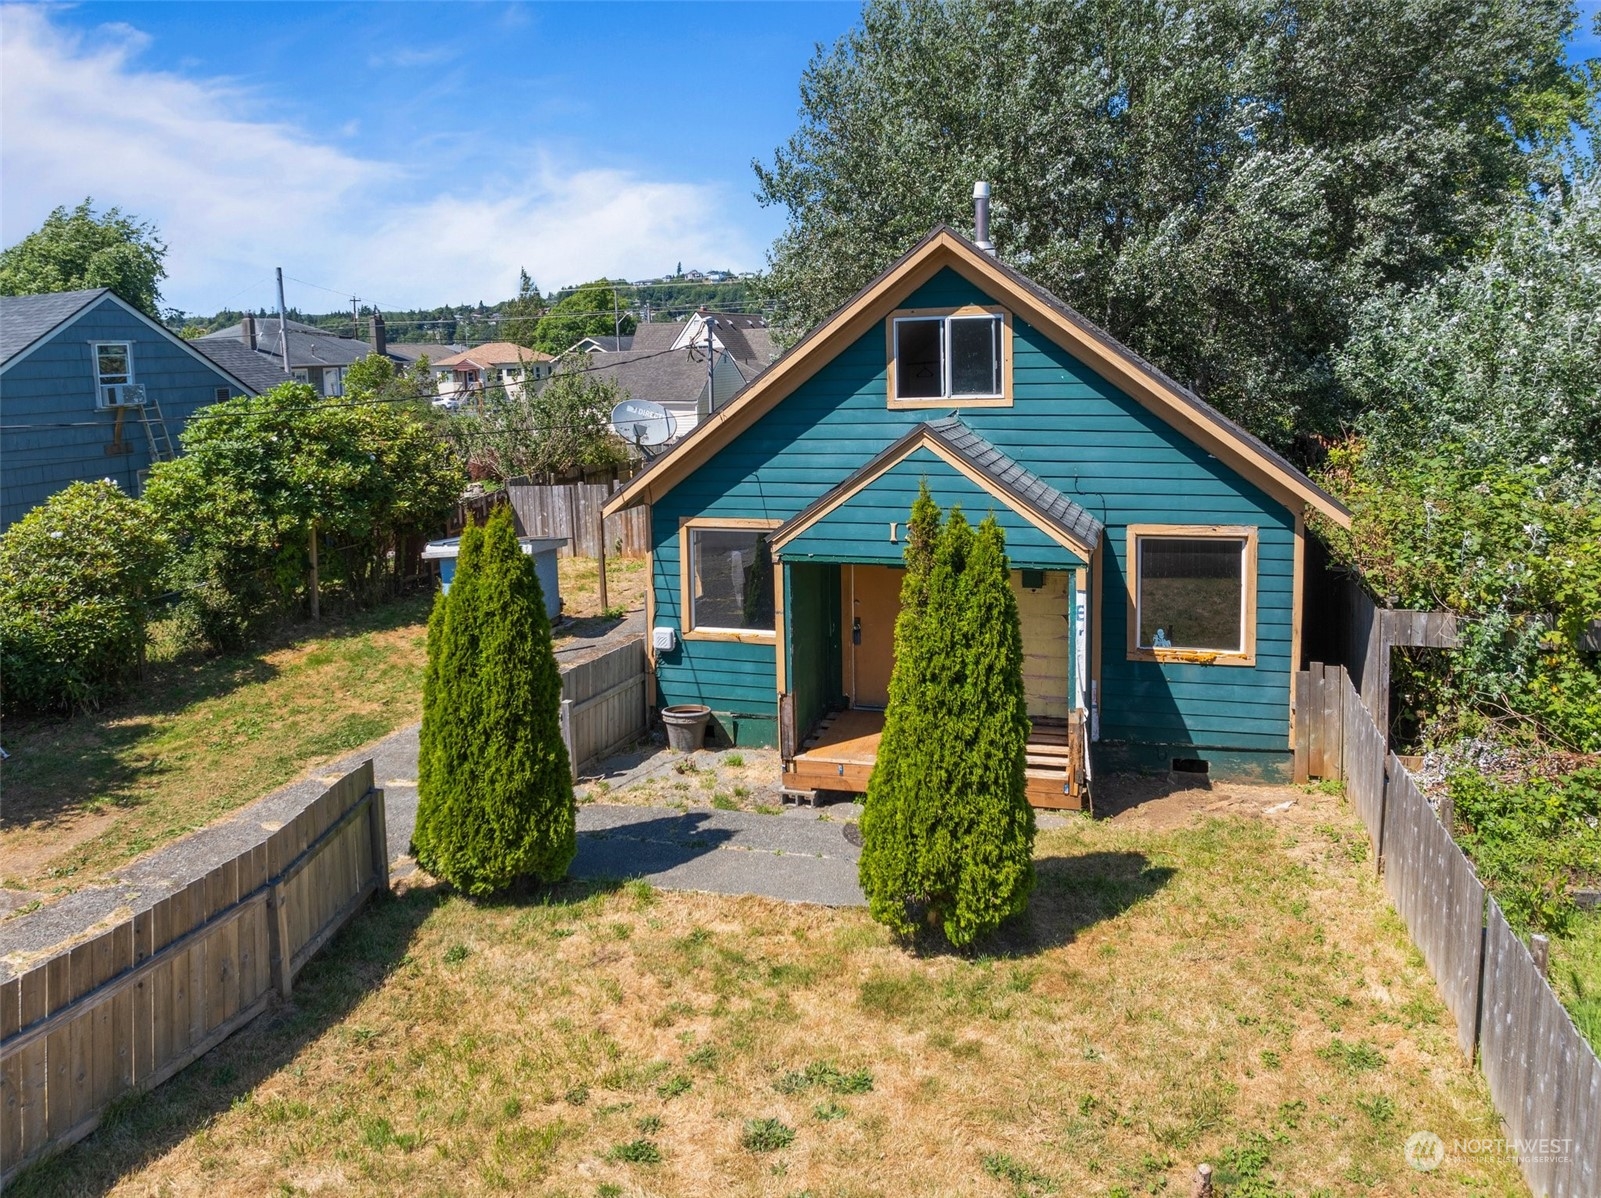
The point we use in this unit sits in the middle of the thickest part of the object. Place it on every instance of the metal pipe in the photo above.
(981, 218)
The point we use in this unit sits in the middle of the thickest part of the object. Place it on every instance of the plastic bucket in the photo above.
(686, 726)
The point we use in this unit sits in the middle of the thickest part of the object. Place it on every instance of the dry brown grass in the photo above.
(580, 585)
(731, 780)
(1234, 991)
(201, 737)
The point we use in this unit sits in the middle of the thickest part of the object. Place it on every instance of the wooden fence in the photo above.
(572, 510)
(604, 703)
(128, 1009)
(1544, 1078)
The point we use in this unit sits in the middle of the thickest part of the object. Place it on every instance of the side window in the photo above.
(727, 583)
(954, 358)
(113, 363)
(1192, 594)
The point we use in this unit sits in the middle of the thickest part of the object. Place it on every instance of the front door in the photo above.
(872, 600)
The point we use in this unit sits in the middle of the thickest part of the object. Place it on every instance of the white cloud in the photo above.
(235, 194)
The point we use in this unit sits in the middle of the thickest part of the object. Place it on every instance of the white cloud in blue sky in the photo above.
(427, 172)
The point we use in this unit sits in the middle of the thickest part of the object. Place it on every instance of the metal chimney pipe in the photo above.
(981, 218)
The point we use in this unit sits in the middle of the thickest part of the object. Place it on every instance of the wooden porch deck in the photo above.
(839, 755)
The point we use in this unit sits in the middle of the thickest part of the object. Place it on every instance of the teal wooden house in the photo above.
(91, 388)
(1156, 548)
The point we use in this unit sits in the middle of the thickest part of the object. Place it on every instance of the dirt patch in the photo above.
(1163, 801)
(729, 780)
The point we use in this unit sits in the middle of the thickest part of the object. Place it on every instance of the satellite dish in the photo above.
(640, 422)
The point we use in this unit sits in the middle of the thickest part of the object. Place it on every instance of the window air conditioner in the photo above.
(122, 395)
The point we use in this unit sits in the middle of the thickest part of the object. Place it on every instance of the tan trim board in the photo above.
(686, 581)
(944, 249)
(1246, 655)
(1003, 400)
(780, 626)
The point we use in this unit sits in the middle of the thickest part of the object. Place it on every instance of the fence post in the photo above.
(567, 736)
(278, 940)
(1384, 804)
(1303, 723)
(379, 824)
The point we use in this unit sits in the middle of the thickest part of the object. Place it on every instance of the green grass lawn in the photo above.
(201, 736)
(1233, 990)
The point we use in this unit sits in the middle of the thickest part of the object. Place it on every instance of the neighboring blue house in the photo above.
(90, 387)
(1156, 547)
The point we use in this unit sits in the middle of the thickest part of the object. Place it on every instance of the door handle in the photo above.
(856, 631)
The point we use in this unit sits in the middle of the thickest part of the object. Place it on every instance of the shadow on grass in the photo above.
(60, 764)
(141, 1128)
(1070, 895)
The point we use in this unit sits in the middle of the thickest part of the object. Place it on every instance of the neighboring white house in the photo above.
(464, 376)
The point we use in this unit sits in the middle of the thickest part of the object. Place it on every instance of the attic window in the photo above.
(949, 358)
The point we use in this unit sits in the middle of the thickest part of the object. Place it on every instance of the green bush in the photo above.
(494, 788)
(1532, 842)
(947, 832)
(77, 574)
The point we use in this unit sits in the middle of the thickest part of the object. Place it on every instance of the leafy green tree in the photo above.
(561, 428)
(76, 250)
(77, 575)
(1497, 357)
(259, 476)
(495, 794)
(592, 310)
(947, 832)
(1218, 184)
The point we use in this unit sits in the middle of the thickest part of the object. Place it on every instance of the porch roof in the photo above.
(852, 522)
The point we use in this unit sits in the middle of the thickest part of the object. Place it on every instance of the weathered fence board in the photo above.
(128, 1008)
(572, 511)
(604, 703)
(1543, 1076)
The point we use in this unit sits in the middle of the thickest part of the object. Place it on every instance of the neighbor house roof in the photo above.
(944, 249)
(262, 372)
(26, 319)
(308, 345)
(410, 351)
(655, 375)
(495, 353)
(30, 320)
(1020, 489)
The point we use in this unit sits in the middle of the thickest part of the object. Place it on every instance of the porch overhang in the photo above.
(863, 519)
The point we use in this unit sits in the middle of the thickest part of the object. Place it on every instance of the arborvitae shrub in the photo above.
(494, 788)
(947, 832)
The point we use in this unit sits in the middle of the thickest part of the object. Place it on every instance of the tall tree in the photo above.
(494, 788)
(519, 318)
(947, 832)
(76, 250)
(560, 428)
(1219, 184)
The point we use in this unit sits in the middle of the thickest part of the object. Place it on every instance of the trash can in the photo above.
(686, 726)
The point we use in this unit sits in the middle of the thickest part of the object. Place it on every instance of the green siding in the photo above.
(858, 530)
(812, 611)
(1077, 432)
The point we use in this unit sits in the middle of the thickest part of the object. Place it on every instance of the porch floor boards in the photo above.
(839, 755)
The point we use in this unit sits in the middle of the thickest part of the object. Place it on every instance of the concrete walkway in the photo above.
(795, 856)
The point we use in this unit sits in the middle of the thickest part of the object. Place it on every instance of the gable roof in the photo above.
(1041, 504)
(34, 319)
(308, 346)
(27, 319)
(262, 372)
(1178, 406)
(495, 353)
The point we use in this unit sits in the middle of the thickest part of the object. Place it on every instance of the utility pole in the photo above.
(617, 332)
(283, 322)
(355, 318)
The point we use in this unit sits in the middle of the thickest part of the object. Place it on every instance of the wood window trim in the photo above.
(686, 580)
(1004, 400)
(1131, 569)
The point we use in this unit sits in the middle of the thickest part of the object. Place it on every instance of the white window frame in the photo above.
(1245, 653)
(100, 383)
(687, 528)
(946, 399)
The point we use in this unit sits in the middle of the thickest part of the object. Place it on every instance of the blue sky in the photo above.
(412, 153)
(408, 153)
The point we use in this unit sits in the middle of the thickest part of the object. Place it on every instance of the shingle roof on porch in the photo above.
(988, 469)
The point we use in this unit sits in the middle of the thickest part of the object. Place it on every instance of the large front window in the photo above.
(730, 581)
(1193, 594)
(957, 357)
